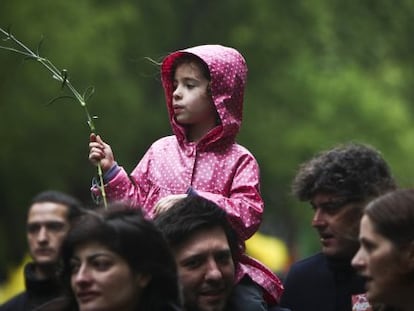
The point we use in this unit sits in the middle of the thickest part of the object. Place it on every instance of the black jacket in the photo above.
(37, 292)
(318, 284)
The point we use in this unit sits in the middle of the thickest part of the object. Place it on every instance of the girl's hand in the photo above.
(100, 153)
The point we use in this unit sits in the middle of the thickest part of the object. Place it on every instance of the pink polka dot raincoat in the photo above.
(216, 167)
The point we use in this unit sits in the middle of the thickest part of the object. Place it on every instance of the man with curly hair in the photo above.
(338, 183)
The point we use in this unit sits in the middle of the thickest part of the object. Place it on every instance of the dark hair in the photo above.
(127, 233)
(73, 205)
(392, 216)
(353, 171)
(191, 215)
(186, 58)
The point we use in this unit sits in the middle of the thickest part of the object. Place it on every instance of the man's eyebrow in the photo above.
(333, 204)
(45, 223)
(186, 259)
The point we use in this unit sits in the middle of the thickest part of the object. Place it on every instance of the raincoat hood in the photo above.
(228, 72)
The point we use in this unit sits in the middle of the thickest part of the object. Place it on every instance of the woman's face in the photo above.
(381, 263)
(102, 280)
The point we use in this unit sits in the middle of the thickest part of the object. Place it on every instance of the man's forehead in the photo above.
(323, 197)
(204, 241)
(47, 211)
(332, 201)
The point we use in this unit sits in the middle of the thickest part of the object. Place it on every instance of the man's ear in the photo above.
(143, 279)
(410, 256)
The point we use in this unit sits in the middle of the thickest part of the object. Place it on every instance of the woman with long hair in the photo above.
(386, 254)
(116, 260)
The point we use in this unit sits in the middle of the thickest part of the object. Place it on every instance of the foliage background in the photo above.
(321, 72)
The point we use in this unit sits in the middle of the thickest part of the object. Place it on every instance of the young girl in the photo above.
(204, 88)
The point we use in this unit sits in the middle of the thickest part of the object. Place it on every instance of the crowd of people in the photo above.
(173, 236)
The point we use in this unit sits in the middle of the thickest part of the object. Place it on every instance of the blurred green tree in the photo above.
(321, 72)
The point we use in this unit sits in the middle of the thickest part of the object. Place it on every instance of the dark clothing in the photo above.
(248, 296)
(37, 292)
(277, 308)
(68, 304)
(317, 283)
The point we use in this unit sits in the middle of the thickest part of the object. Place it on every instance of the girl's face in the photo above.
(381, 263)
(102, 280)
(192, 104)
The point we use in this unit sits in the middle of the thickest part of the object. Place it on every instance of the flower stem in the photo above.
(62, 77)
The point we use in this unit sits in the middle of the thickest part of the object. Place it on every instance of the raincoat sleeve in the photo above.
(133, 189)
(244, 204)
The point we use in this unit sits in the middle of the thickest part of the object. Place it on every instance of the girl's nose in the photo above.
(177, 93)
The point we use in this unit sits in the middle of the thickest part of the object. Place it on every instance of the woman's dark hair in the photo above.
(392, 216)
(136, 239)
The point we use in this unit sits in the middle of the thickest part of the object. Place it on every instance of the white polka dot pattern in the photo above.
(216, 167)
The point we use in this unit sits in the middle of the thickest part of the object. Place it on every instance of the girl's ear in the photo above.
(143, 279)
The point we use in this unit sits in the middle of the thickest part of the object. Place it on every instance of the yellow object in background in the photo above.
(15, 281)
(269, 250)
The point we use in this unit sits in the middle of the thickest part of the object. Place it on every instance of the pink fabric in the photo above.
(360, 303)
(216, 167)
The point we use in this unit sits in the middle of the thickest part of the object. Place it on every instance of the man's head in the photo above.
(338, 183)
(48, 221)
(205, 248)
